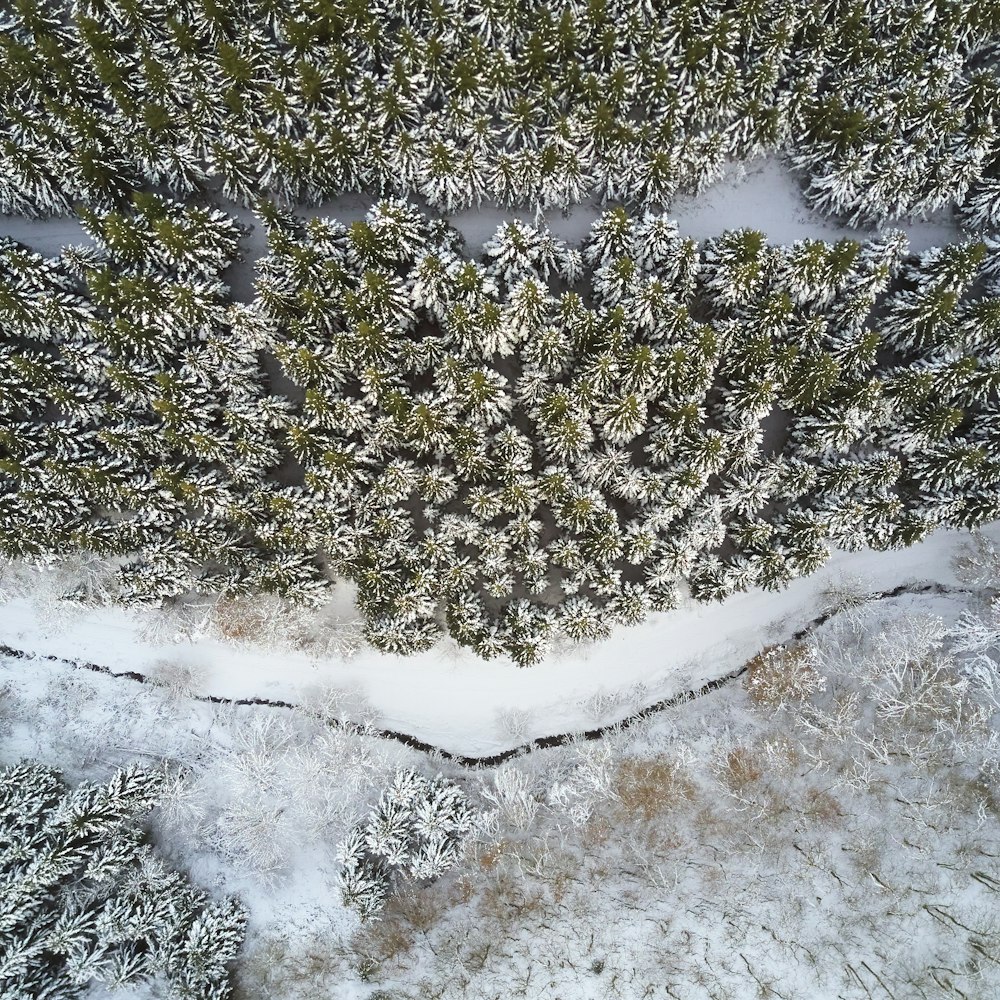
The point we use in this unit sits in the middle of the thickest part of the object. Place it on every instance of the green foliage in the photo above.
(477, 446)
(886, 109)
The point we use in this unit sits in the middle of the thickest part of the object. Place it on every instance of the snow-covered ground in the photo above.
(715, 848)
(763, 195)
(46, 236)
(450, 698)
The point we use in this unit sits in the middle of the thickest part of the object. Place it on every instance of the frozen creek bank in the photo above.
(449, 698)
(602, 704)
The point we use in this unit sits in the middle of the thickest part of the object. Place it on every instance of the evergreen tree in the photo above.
(738, 266)
(414, 832)
(85, 900)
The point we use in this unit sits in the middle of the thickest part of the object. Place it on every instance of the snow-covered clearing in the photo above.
(717, 850)
(727, 862)
(447, 696)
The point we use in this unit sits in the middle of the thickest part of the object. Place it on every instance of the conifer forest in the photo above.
(228, 391)
(527, 439)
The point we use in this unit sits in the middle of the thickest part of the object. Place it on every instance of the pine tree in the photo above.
(738, 267)
(981, 207)
(813, 272)
(414, 832)
(85, 900)
(517, 251)
(611, 238)
(925, 315)
(525, 631)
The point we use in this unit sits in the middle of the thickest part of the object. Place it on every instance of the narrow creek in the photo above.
(539, 743)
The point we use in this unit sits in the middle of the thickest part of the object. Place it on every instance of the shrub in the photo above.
(649, 788)
(782, 675)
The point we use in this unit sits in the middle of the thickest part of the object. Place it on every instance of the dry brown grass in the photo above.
(507, 898)
(488, 856)
(596, 832)
(821, 807)
(419, 909)
(781, 675)
(649, 788)
(741, 769)
(241, 618)
(274, 966)
(464, 888)
(406, 916)
(384, 942)
(560, 872)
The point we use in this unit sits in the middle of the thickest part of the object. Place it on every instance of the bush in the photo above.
(782, 675)
(648, 788)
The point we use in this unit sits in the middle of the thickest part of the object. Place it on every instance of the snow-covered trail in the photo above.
(449, 698)
(761, 195)
(922, 596)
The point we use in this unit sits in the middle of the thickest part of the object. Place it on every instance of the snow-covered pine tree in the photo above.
(414, 833)
(814, 272)
(923, 314)
(981, 207)
(517, 251)
(737, 268)
(167, 237)
(86, 900)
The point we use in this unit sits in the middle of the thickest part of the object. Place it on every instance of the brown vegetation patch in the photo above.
(741, 768)
(507, 898)
(596, 832)
(822, 807)
(391, 937)
(781, 675)
(242, 619)
(648, 788)
(487, 856)
(275, 965)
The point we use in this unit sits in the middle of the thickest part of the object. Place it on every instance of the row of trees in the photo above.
(545, 441)
(84, 900)
(886, 108)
